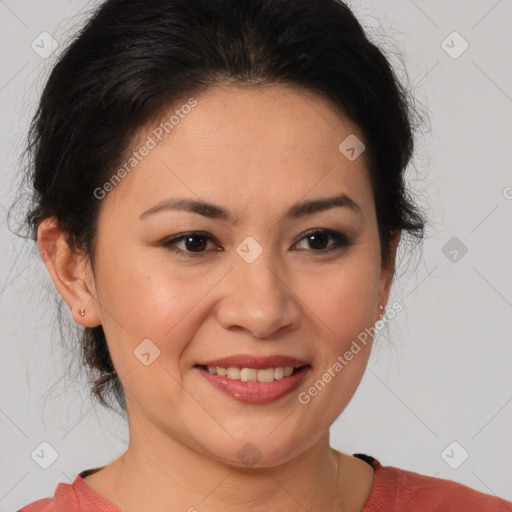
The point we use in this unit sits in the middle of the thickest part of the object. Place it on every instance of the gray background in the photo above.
(442, 372)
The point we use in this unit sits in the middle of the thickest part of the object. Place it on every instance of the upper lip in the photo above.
(257, 362)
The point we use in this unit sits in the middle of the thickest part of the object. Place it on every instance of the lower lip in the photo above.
(256, 392)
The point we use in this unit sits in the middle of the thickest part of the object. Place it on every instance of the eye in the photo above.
(194, 243)
(319, 238)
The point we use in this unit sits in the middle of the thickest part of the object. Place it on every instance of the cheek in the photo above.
(346, 310)
(344, 297)
(142, 302)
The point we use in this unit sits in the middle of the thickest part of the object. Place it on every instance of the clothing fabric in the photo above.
(393, 490)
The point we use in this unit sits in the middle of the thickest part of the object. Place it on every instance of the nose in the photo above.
(258, 299)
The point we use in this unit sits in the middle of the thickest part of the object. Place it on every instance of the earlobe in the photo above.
(70, 273)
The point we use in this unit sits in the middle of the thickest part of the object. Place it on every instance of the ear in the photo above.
(387, 272)
(70, 272)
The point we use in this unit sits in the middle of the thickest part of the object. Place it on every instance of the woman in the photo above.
(219, 198)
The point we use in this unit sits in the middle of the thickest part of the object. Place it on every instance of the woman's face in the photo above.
(253, 282)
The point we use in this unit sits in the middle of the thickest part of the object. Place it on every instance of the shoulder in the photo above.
(64, 499)
(75, 497)
(438, 494)
(397, 489)
(43, 505)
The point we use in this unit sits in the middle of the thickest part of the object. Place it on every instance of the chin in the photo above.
(259, 450)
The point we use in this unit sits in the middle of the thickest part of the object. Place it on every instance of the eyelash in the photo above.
(341, 241)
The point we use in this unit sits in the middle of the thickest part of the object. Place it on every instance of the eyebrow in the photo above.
(213, 211)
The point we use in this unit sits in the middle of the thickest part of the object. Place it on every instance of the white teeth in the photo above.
(252, 374)
(233, 373)
(248, 375)
(266, 375)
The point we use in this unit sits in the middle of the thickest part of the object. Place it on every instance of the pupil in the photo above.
(311, 237)
(195, 245)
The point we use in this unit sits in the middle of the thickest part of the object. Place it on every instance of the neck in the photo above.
(160, 474)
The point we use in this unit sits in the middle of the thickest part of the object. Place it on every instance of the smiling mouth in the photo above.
(253, 374)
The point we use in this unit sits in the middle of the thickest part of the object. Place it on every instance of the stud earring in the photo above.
(82, 312)
(381, 306)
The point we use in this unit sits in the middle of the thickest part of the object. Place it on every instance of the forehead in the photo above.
(272, 122)
(237, 145)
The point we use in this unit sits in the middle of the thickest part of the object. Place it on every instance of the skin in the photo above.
(255, 152)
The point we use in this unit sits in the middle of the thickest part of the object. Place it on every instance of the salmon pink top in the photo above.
(393, 490)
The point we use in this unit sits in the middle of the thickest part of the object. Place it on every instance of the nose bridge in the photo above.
(258, 299)
(259, 279)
